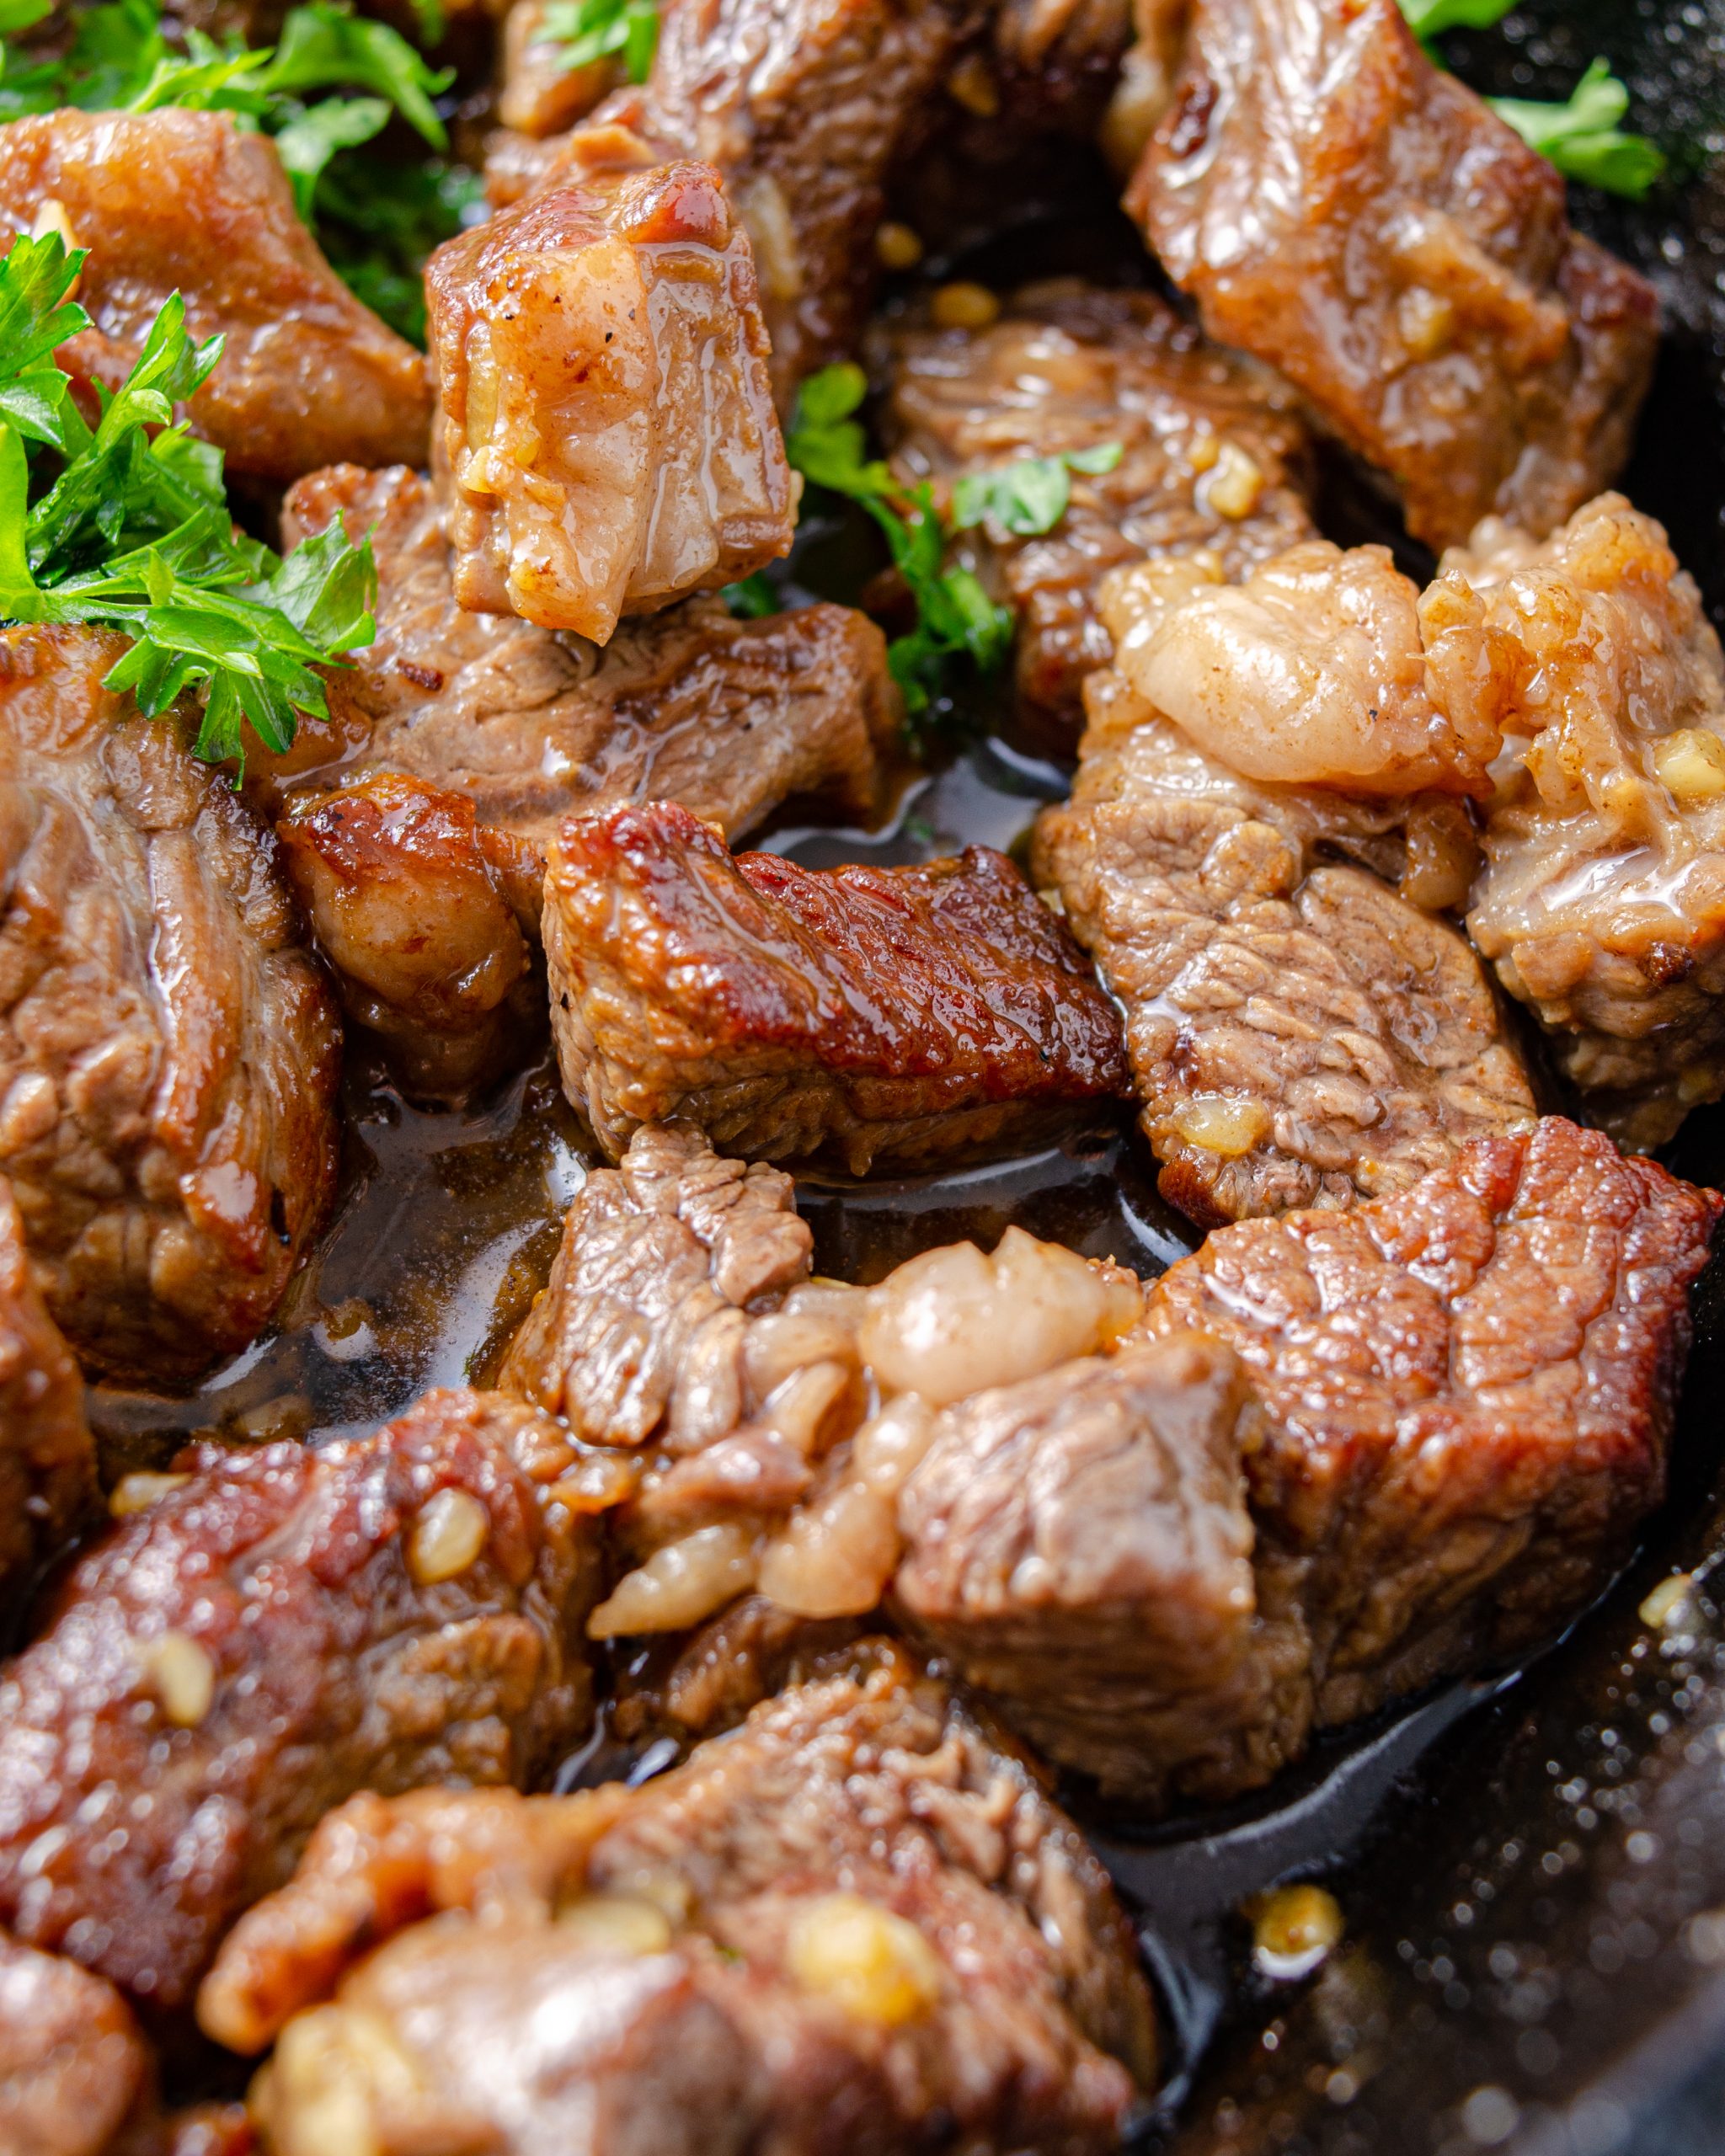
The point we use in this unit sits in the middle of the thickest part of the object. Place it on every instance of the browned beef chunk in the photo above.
(76, 2078)
(538, 93)
(411, 903)
(1460, 1401)
(605, 412)
(167, 1048)
(680, 1321)
(47, 1460)
(861, 1014)
(1602, 900)
(181, 201)
(1301, 1031)
(855, 1923)
(730, 717)
(1344, 209)
(1213, 455)
(284, 1627)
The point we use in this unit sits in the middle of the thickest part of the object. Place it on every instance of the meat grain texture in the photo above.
(1214, 456)
(857, 1922)
(1301, 1032)
(280, 1628)
(863, 1015)
(605, 414)
(1342, 208)
(47, 1456)
(1392, 1442)
(167, 1046)
(730, 717)
(182, 201)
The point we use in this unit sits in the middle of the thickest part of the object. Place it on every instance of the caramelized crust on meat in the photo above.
(1602, 899)
(606, 416)
(75, 2076)
(1468, 1393)
(410, 903)
(167, 1048)
(284, 1627)
(1340, 206)
(1301, 1033)
(1214, 456)
(47, 1459)
(854, 1924)
(729, 717)
(863, 1014)
(182, 201)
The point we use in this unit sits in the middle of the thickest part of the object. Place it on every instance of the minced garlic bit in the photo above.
(964, 306)
(181, 1674)
(1665, 1604)
(452, 1529)
(873, 1965)
(1691, 764)
(971, 85)
(616, 1924)
(1293, 1928)
(896, 247)
(136, 1493)
(1425, 322)
(1218, 1124)
(1236, 483)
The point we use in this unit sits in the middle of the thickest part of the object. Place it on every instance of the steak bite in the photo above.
(281, 1628)
(1341, 207)
(856, 1922)
(182, 201)
(1301, 1030)
(1453, 1414)
(606, 416)
(1213, 456)
(750, 996)
(730, 717)
(1602, 899)
(47, 1459)
(426, 920)
(167, 1046)
(680, 1321)
(76, 2075)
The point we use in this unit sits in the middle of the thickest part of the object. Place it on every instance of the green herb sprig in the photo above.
(1580, 136)
(1030, 494)
(125, 525)
(582, 31)
(955, 616)
(377, 219)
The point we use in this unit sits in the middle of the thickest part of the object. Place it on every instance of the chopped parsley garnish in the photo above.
(752, 600)
(586, 30)
(955, 616)
(377, 219)
(126, 527)
(1582, 136)
(1029, 495)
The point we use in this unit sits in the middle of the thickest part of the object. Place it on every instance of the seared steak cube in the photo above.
(727, 716)
(909, 1015)
(1341, 207)
(1213, 455)
(854, 1924)
(182, 201)
(605, 412)
(281, 1627)
(167, 1045)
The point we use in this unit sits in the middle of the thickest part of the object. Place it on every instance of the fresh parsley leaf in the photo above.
(586, 30)
(378, 218)
(955, 616)
(325, 47)
(1582, 137)
(307, 144)
(1029, 495)
(126, 527)
(752, 600)
(19, 14)
(1430, 19)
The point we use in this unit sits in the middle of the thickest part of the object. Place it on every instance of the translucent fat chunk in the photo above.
(607, 416)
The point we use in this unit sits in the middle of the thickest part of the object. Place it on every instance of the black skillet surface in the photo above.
(1531, 1866)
